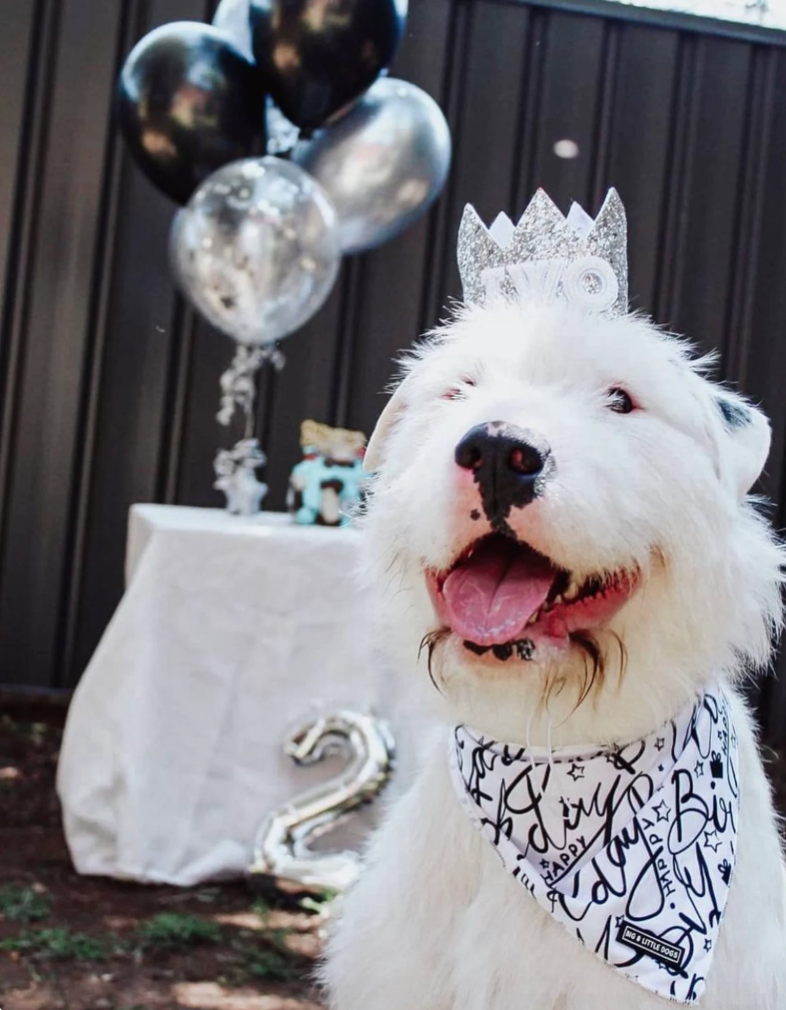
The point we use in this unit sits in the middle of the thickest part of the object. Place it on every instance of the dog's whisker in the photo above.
(594, 656)
(431, 641)
(395, 559)
(399, 573)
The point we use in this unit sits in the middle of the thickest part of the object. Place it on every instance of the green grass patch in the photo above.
(58, 944)
(35, 731)
(269, 962)
(22, 904)
(247, 954)
(177, 931)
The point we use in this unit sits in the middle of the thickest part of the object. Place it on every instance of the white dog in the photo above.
(560, 523)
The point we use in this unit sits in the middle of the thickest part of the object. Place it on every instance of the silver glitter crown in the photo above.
(548, 256)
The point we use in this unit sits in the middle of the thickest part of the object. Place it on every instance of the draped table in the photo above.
(231, 630)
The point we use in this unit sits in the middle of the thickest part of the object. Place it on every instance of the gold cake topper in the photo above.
(339, 444)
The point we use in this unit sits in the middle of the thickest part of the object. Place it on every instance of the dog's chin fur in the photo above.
(662, 491)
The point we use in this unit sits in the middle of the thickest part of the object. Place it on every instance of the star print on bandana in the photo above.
(662, 811)
(576, 772)
(632, 849)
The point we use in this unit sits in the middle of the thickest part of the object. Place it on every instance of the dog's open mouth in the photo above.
(503, 595)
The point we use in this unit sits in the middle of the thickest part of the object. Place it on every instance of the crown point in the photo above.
(502, 229)
(470, 214)
(475, 246)
(579, 220)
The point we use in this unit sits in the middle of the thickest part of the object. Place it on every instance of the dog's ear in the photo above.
(375, 450)
(747, 442)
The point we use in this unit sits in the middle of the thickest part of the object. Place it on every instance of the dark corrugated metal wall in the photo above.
(108, 384)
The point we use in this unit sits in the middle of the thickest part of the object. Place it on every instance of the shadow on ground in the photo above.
(76, 943)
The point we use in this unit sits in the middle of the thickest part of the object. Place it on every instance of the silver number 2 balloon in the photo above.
(281, 850)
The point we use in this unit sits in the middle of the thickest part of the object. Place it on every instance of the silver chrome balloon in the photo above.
(281, 850)
(382, 164)
(256, 249)
(231, 18)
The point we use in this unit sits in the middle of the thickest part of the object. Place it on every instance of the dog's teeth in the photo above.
(525, 648)
(571, 592)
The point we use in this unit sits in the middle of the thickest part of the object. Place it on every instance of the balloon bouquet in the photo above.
(287, 148)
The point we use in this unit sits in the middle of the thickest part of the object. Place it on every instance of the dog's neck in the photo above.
(527, 713)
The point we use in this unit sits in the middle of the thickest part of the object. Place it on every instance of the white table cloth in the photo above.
(230, 631)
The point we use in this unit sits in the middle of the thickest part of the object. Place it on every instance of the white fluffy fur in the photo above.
(435, 922)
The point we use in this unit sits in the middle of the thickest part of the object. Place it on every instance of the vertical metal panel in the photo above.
(18, 41)
(572, 75)
(751, 207)
(387, 314)
(109, 384)
(674, 207)
(756, 348)
(638, 144)
(452, 96)
(703, 177)
(139, 337)
(58, 299)
(24, 121)
(87, 432)
(757, 341)
(484, 134)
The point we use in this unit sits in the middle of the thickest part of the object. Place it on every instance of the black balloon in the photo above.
(188, 103)
(319, 56)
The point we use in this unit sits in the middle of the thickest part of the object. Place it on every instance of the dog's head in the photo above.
(560, 518)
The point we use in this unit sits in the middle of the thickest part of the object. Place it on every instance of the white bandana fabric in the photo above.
(631, 849)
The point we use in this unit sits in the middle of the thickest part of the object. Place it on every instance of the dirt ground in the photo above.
(75, 943)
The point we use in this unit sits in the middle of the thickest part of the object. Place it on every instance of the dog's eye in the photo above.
(459, 391)
(619, 401)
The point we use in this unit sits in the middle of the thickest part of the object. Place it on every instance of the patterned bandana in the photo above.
(631, 849)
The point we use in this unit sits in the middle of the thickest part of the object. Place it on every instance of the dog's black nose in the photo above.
(508, 463)
(501, 445)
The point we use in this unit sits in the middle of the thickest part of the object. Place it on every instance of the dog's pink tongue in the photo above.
(489, 598)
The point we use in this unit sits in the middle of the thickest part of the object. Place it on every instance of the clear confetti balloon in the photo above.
(256, 250)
